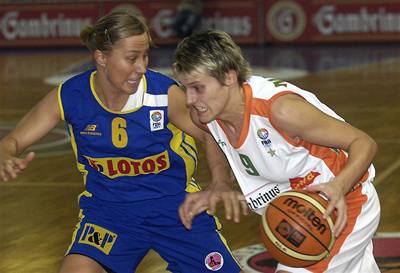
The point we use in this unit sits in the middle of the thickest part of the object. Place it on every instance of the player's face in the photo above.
(206, 95)
(127, 62)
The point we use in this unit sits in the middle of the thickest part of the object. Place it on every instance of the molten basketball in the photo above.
(294, 231)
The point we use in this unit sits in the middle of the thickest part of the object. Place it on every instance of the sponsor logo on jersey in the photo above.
(156, 120)
(301, 182)
(113, 167)
(98, 237)
(214, 261)
(91, 129)
(260, 198)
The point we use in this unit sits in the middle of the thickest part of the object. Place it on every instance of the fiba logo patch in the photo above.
(156, 120)
(262, 133)
(156, 116)
(286, 20)
(267, 143)
(214, 261)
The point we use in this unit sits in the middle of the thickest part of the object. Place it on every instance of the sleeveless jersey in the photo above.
(267, 162)
(131, 155)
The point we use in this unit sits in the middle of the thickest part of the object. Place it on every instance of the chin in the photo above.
(205, 119)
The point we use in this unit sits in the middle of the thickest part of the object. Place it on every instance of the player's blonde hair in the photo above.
(211, 51)
(111, 28)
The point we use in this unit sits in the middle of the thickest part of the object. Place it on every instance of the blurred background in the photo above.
(347, 52)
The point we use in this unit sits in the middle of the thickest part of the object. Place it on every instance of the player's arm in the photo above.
(220, 188)
(33, 126)
(301, 120)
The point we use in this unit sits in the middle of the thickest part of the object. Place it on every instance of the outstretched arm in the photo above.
(220, 187)
(32, 127)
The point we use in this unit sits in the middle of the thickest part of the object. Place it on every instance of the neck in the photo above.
(233, 114)
(108, 95)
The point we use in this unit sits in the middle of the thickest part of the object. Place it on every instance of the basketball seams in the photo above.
(318, 206)
(297, 255)
(286, 250)
(304, 227)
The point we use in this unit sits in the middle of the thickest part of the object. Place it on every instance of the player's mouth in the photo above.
(133, 81)
(200, 109)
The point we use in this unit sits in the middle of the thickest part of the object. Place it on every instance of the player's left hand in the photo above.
(195, 203)
(337, 200)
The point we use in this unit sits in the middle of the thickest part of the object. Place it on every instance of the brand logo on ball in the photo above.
(307, 212)
(214, 261)
(291, 234)
(294, 230)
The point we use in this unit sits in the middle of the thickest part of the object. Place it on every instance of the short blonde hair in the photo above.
(212, 51)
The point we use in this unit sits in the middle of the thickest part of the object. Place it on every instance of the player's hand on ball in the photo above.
(337, 200)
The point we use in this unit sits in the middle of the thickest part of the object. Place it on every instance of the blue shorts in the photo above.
(118, 237)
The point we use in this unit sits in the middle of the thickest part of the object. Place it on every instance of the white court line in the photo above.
(387, 172)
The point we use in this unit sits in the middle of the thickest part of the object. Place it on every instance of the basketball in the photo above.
(294, 231)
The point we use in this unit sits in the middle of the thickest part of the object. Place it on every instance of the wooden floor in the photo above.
(38, 211)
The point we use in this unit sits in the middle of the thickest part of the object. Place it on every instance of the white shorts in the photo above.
(352, 251)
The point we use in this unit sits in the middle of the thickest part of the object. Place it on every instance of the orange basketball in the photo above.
(294, 231)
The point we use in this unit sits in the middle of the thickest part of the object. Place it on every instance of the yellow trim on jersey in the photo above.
(77, 227)
(60, 106)
(193, 186)
(175, 144)
(105, 107)
(81, 167)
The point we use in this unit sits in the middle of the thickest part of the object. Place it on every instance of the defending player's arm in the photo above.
(220, 188)
(33, 126)
(299, 119)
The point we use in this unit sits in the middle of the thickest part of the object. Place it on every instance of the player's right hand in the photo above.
(195, 203)
(10, 167)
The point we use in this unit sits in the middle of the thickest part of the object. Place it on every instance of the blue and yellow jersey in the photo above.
(132, 155)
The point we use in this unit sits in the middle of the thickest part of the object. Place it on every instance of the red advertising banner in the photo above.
(44, 24)
(332, 21)
(238, 18)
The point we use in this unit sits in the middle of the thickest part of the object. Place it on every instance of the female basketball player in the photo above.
(127, 126)
(278, 137)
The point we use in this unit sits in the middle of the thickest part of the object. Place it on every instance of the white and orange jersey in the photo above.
(265, 160)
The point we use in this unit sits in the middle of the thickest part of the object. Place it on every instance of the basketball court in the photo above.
(39, 210)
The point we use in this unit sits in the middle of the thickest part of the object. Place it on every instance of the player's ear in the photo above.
(100, 58)
(231, 77)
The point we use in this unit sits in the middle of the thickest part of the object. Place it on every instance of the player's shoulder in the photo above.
(266, 88)
(81, 78)
(153, 75)
(157, 83)
(77, 86)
